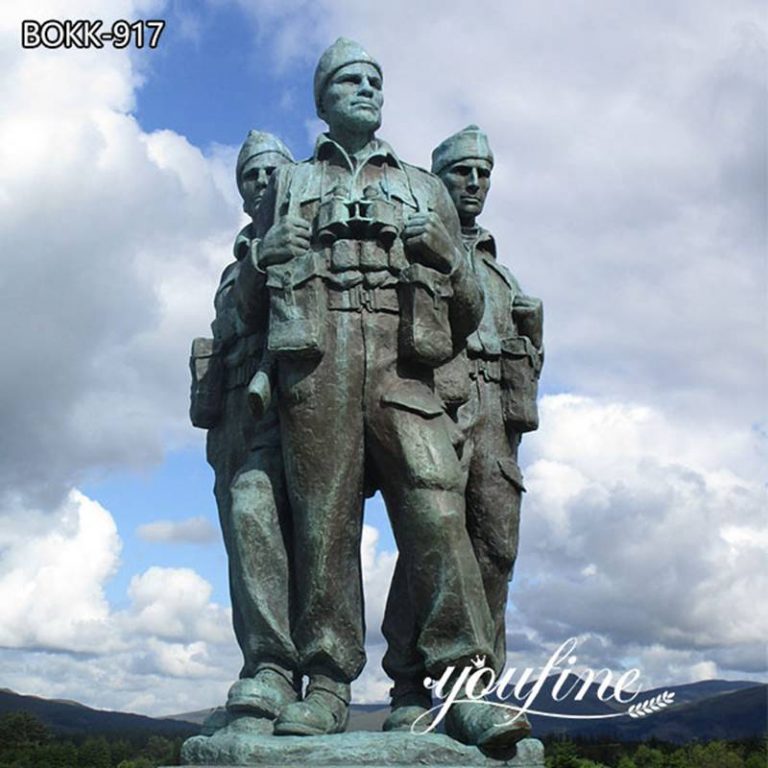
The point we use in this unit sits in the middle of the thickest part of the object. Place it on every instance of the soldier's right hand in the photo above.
(285, 240)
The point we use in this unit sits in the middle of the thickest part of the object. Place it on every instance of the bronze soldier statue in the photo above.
(369, 291)
(247, 460)
(490, 389)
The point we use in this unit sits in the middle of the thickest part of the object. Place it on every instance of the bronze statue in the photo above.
(490, 390)
(365, 339)
(247, 460)
(369, 291)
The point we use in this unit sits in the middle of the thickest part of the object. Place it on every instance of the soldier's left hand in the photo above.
(527, 314)
(428, 241)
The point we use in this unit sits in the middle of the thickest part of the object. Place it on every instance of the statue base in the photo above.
(249, 741)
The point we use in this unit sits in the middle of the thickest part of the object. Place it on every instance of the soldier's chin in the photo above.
(365, 121)
(471, 208)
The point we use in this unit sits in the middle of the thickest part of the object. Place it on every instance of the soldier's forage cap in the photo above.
(344, 51)
(468, 143)
(258, 143)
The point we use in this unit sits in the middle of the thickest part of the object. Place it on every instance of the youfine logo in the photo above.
(476, 682)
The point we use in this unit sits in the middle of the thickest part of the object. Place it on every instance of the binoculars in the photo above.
(369, 218)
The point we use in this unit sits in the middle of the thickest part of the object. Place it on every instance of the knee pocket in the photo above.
(423, 442)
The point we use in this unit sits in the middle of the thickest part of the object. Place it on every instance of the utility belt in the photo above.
(485, 368)
(363, 256)
(514, 374)
(360, 298)
(303, 290)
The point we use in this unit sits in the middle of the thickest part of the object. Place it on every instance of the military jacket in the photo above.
(496, 352)
(357, 209)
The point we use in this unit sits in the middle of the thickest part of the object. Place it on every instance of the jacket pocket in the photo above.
(425, 328)
(510, 469)
(413, 396)
(520, 368)
(207, 383)
(297, 308)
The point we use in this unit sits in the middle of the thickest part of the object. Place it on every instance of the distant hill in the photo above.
(362, 717)
(740, 714)
(712, 709)
(69, 717)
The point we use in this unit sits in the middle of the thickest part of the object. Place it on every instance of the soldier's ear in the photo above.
(320, 110)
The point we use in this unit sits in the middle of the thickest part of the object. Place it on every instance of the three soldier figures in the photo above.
(366, 339)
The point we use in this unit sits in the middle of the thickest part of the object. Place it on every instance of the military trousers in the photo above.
(493, 491)
(360, 415)
(255, 521)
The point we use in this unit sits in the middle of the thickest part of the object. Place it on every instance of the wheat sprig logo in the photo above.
(654, 704)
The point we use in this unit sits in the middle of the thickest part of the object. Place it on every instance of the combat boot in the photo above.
(265, 694)
(481, 724)
(325, 709)
(410, 702)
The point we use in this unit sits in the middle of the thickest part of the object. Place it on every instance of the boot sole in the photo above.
(302, 729)
(501, 738)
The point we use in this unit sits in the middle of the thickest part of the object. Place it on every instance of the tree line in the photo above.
(567, 753)
(25, 742)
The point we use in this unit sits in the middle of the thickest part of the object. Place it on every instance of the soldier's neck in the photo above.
(353, 143)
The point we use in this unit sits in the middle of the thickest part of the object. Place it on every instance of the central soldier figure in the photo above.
(368, 292)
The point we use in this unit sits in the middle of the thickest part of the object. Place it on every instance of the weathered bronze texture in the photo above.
(365, 338)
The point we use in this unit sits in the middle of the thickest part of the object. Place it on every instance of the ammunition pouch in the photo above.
(520, 369)
(425, 328)
(206, 395)
(452, 381)
(297, 308)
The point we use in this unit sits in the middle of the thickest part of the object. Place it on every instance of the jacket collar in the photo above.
(377, 152)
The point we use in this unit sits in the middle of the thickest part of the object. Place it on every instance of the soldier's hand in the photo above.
(428, 241)
(285, 240)
(528, 316)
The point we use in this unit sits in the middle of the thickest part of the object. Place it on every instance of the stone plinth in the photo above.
(249, 742)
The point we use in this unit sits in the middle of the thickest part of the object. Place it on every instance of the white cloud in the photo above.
(171, 649)
(179, 660)
(62, 638)
(112, 241)
(643, 528)
(52, 575)
(174, 603)
(629, 189)
(193, 530)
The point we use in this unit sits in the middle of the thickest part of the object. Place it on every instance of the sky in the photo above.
(629, 193)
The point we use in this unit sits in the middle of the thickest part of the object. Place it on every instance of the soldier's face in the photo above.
(352, 99)
(255, 177)
(468, 182)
